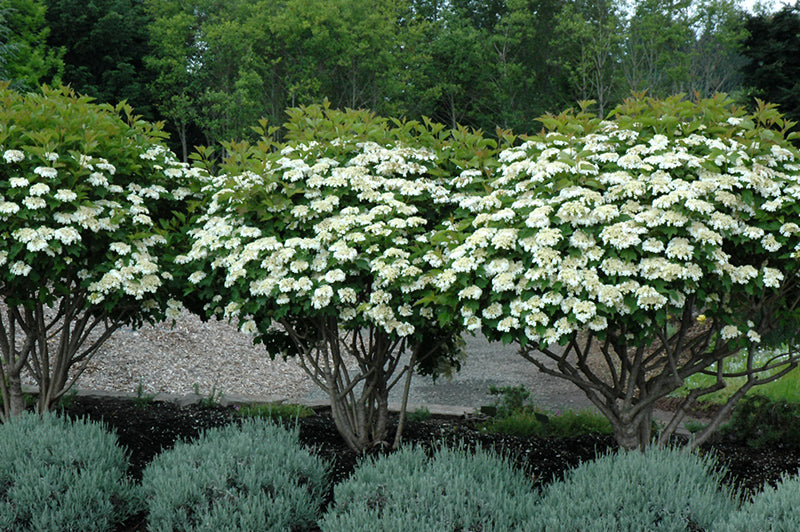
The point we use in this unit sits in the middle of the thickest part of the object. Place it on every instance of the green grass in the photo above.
(786, 389)
(534, 422)
(275, 411)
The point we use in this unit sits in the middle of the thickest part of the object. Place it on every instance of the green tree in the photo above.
(589, 35)
(529, 79)
(662, 240)
(658, 44)
(322, 247)
(28, 58)
(717, 60)
(773, 52)
(85, 197)
(104, 43)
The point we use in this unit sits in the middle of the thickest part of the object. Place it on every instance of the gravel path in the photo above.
(214, 357)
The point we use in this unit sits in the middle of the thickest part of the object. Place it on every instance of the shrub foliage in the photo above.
(255, 477)
(57, 474)
(451, 490)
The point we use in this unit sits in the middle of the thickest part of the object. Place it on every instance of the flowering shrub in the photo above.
(664, 240)
(322, 248)
(85, 197)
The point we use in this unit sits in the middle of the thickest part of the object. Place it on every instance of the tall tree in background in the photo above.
(27, 59)
(104, 43)
(589, 34)
(222, 65)
(716, 60)
(526, 76)
(773, 51)
(459, 69)
(658, 45)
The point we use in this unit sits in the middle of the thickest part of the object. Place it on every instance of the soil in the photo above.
(149, 428)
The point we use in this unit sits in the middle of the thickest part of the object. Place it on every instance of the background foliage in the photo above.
(210, 68)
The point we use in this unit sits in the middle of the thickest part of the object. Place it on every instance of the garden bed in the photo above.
(147, 427)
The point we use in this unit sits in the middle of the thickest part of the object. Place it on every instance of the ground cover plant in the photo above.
(450, 489)
(249, 476)
(61, 474)
(658, 489)
(662, 238)
(514, 413)
(87, 193)
(145, 433)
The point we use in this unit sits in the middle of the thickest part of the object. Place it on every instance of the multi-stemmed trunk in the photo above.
(51, 345)
(357, 370)
(625, 382)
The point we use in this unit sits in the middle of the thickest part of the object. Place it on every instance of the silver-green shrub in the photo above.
(256, 477)
(451, 490)
(660, 489)
(773, 510)
(58, 474)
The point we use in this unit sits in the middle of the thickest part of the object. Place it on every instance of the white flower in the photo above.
(789, 229)
(335, 276)
(770, 243)
(622, 235)
(13, 156)
(472, 323)
(8, 207)
(322, 296)
(120, 248)
(772, 277)
(18, 182)
(653, 245)
(493, 311)
(34, 203)
(19, 268)
(507, 324)
(347, 296)
(584, 310)
(249, 327)
(648, 297)
(729, 332)
(45, 171)
(65, 195)
(679, 248)
(39, 189)
(754, 336)
(67, 235)
(471, 292)
(405, 329)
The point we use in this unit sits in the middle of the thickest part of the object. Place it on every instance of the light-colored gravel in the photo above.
(193, 356)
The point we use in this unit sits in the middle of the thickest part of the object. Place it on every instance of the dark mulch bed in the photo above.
(147, 429)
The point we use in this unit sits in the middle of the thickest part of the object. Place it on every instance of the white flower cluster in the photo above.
(350, 239)
(61, 213)
(580, 231)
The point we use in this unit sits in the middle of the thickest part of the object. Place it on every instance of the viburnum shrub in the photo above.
(636, 251)
(87, 195)
(322, 248)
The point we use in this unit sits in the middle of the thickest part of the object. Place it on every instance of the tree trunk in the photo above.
(16, 398)
(633, 432)
(363, 422)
